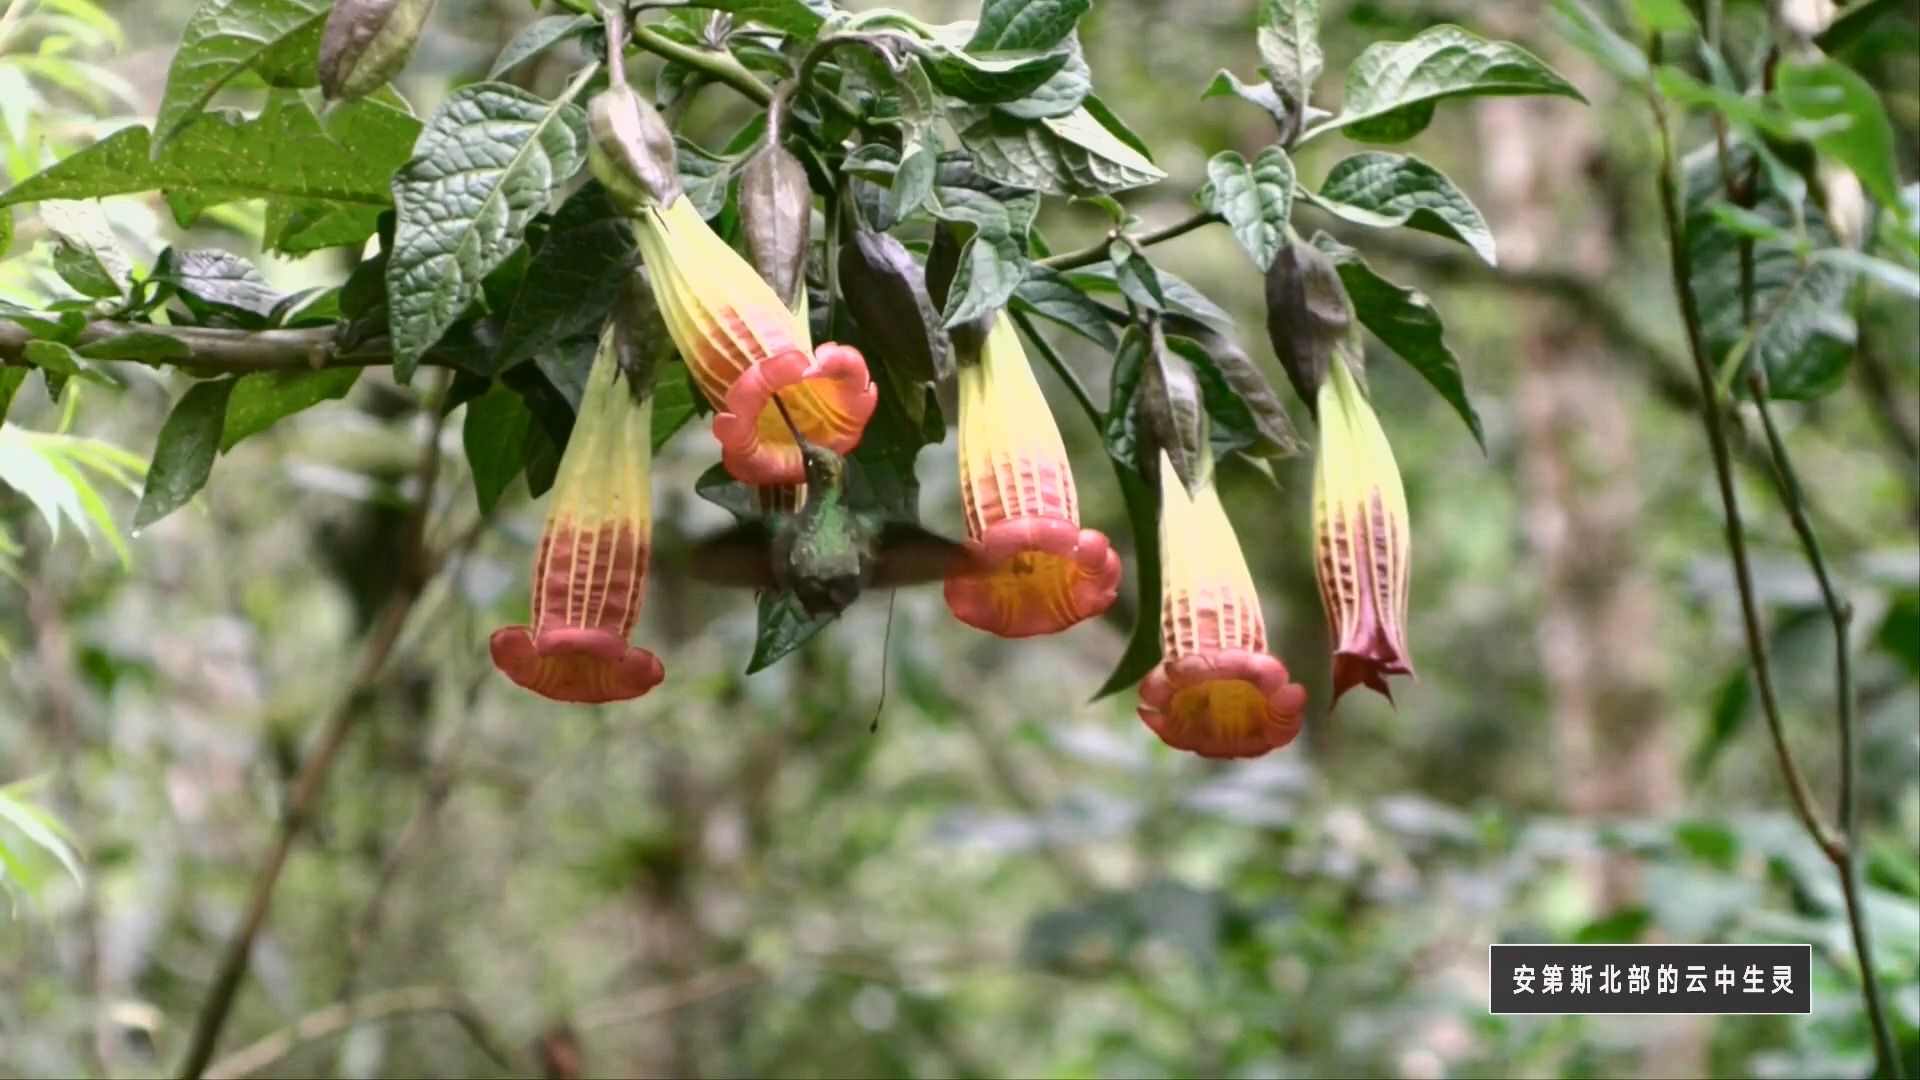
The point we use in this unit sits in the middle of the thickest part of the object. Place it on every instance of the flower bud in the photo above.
(631, 150)
(367, 42)
(776, 213)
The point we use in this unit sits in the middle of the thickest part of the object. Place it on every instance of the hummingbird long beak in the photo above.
(798, 439)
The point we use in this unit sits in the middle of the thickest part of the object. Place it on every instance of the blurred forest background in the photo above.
(734, 876)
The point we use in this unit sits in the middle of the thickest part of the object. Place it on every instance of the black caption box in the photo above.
(1651, 978)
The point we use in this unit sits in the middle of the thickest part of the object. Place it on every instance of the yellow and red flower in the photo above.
(590, 573)
(743, 346)
(1361, 539)
(1034, 569)
(1217, 692)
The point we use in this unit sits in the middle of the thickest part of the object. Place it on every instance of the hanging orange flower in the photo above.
(1217, 692)
(590, 573)
(1038, 571)
(1361, 539)
(743, 346)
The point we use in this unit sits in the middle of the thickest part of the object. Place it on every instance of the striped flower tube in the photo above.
(1361, 539)
(590, 573)
(743, 346)
(1217, 692)
(1036, 570)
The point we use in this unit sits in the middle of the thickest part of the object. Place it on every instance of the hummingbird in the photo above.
(827, 552)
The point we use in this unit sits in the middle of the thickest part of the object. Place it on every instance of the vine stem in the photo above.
(1094, 253)
(1837, 847)
(238, 951)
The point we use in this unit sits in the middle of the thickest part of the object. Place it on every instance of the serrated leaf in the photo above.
(1289, 38)
(1384, 190)
(495, 435)
(226, 38)
(283, 154)
(535, 38)
(575, 277)
(783, 626)
(993, 261)
(1050, 295)
(1065, 155)
(263, 399)
(1025, 24)
(1392, 86)
(1256, 199)
(487, 163)
(381, 131)
(1405, 321)
(183, 458)
(1841, 115)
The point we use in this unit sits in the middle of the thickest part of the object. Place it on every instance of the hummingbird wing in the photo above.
(906, 554)
(741, 557)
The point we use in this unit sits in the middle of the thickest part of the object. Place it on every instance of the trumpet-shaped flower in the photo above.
(1217, 692)
(1034, 569)
(743, 346)
(591, 570)
(1360, 537)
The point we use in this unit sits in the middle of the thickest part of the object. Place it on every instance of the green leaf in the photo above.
(993, 261)
(226, 38)
(183, 458)
(54, 357)
(1175, 413)
(218, 285)
(1181, 297)
(495, 435)
(1803, 330)
(1384, 190)
(85, 253)
(1143, 514)
(783, 626)
(675, 403)
(1393, 85)
(263, 399)
(381, 131)
(987, 79)
(40, 828)
(587, 256)
(802, 18)
(1050, 295)
(141, 345)
(1663, 15)
(1122, 432)
(1075, 154)
(1247, 414)
(1255, 199)
(1899, 633)
(1289, 37)
(1025, 24)
(1225, 83)
(11, 376)
(1841, 115)
(1406, 322)
(283, 154)
(1730, 710)
(535, 38)
(1063, 92)
(488, 162)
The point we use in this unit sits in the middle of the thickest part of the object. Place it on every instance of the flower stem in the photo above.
(1093, 253)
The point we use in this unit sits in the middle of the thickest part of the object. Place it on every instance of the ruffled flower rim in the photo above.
(830, 396)
(1032, 576)
(1223, 704)
(577, 666)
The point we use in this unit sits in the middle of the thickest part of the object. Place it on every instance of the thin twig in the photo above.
(1846, 860)
(238, 951)
(659, 1000)
(1838, 848)
(1094, 253)
(340, 1016)
(719, 66)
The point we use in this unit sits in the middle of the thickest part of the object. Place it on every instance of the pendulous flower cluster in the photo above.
(1030, 567)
